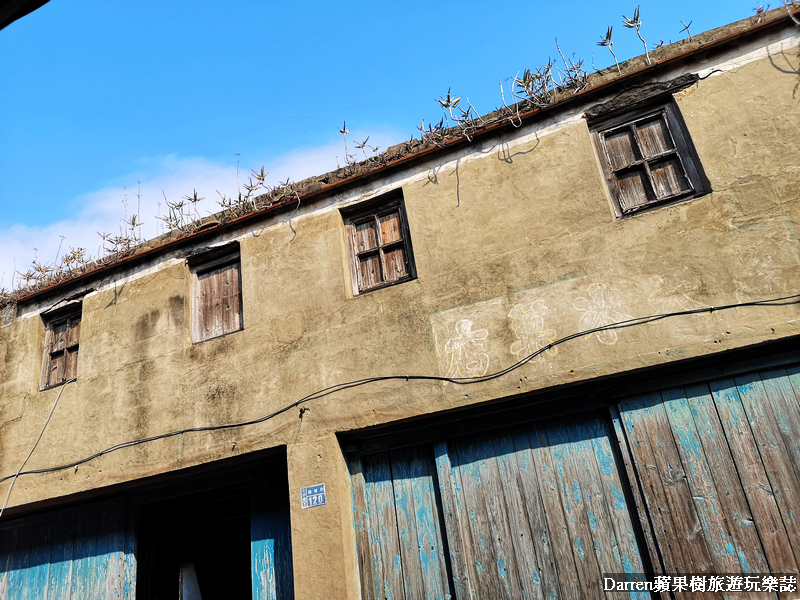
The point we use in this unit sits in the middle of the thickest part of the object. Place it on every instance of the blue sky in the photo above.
(100, 101)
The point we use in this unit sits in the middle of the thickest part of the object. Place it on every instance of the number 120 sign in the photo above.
(313, 495)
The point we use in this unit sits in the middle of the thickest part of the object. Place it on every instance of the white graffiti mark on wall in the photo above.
(529, 327)
(599, 309)
(467, 356)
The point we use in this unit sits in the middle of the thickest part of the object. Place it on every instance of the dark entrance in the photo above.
(219, 532)
(207, 534)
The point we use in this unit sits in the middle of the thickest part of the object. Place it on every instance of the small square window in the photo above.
(217, 294)
(379, 244)
(61, 345)
(648, 158)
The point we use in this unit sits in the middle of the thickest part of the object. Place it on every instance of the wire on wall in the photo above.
(25, 462)
(783, 301)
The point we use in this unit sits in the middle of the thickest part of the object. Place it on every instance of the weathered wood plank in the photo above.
(59, 336)
(111, 550)
(512, 469)
(366, 555)
(7, 541)
(39, 560)
(99, 560)
(793, 373)
(271, 573)
(546, 576)
(233, 299)
(774, 454)
(633, 187)
(555, 516)
(58, 366)
(456, 528)
(84, 551)
(786, 407)
(380, 504)
(262, 550)
(744, 541)
(611, 492)
(6, 554)
(61, 560)
(701, 484)
(73, 331)
(654, 137)
(421, 548)
(429, 531)
(366, 235)
(394, 261)
(130, 550)
(645, 525)
(667, 495)
(216, 302)
(668, 177)
(493, 490)
(370, 271)
(604, 537)
(281, 528)
(390, 227)
(470, 503)
(563, 455)
(754, 479)
(403, 471)
(19, 563)
(71, 363)
(621, 147)
(492, 578)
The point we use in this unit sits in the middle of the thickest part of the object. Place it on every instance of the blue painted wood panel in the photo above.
(398, 526)
(534, 512)
(418, 525)
(544, 510)
(724, 458)
(75, 556)
(271, 569)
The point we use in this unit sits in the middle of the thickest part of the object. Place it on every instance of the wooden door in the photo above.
(398, 525)
(719, 466)
(89, 555)
(535, 511)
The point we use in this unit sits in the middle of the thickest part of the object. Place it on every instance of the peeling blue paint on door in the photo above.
(270, 546)
(533, 511)
(86, 555)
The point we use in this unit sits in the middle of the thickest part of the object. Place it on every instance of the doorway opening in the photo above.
(196, 547)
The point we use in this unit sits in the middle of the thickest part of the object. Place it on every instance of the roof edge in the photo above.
(315, 188)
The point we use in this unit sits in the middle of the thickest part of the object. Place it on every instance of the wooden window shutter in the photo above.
(648, 159)
(379, 244)
(62, 342)
(218, 298)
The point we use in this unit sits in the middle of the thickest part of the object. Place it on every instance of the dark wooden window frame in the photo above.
(372, 211)
(62, 340)
(682, 152)
(201, 264)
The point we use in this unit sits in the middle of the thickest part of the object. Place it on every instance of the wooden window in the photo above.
(217, 297)
(380, 245)
(648, 158)
(61, 347)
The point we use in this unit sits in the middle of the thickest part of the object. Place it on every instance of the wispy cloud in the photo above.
(143, 192)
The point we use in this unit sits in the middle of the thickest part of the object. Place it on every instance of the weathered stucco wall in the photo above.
(524, 231)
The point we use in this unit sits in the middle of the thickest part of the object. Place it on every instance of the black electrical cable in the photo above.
(794, 299)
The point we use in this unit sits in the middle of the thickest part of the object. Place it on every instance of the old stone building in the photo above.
(499, 363)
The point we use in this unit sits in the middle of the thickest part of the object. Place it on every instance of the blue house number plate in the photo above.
(313, 495)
